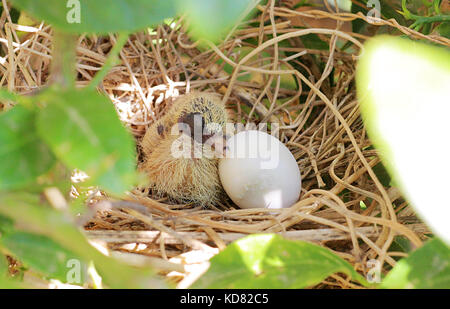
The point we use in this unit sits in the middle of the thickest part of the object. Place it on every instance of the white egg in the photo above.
(258, 171)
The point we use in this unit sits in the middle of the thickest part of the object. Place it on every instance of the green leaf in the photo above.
(270, 261)
(426, 268)
(23, 156)
(6, 95)
(3, 266)
(213, 19)
(401, 243)
(84, 131)
(6, 283)
(32, 216)
(402, 86)
(41, 253)
(100, 16)
(444, 29)
(6, 224)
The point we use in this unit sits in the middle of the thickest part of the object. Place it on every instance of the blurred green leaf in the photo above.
(213, 19)
(6, 283)
(58, 177)
(402, 86)
(84, 131)
(3, 265)
(400, 244)
(6, 95)
(426, 268)
(100, 16)
(270, 261)
(444, 29)
(6, 224)
(23, 156)
(41, 253)
(35, 217)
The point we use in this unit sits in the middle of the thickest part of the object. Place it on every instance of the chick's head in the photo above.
(202, 117)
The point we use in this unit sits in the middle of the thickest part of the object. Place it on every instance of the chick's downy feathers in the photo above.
(188, 176)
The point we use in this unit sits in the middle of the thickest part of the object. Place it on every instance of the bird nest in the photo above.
(264, 72)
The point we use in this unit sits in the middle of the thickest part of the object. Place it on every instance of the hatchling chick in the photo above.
(189, 176)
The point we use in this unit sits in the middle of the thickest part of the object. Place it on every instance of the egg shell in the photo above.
(258, 171)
